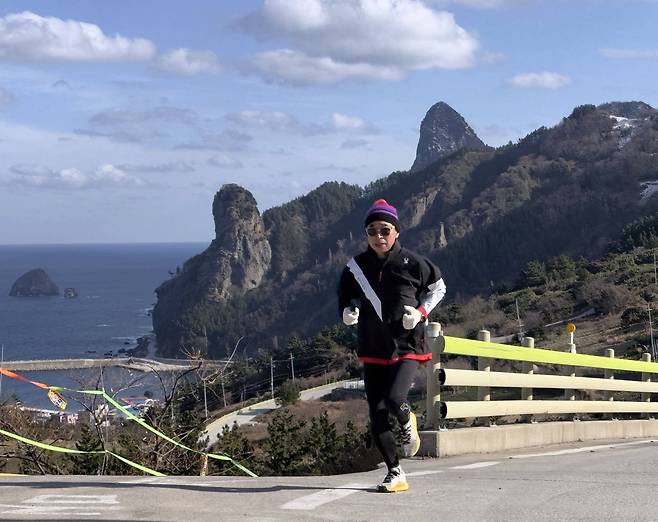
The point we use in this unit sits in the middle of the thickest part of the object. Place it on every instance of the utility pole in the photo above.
(655, 273)
(205, 398)
(653, 348)
(223, 392)
(272, 375)
(205, 336)
(518, 318)
(292, 367)
(105, 408)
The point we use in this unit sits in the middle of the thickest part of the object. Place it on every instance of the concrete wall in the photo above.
(489, 439)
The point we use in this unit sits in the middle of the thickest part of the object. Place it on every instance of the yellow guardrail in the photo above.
(468, 347)
(483, 378)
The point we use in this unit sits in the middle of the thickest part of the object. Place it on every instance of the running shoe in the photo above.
(410, 439)
(394, 481)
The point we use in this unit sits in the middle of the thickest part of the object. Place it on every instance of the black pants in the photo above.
(387, 387)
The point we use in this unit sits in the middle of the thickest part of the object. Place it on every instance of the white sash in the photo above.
(365, 286)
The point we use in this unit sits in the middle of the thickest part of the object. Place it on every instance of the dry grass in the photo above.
(338, 411)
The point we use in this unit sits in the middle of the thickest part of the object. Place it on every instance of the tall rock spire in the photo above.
(442, 132)
(242, 249)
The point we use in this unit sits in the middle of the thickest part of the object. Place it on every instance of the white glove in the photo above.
(350, 316)
(411, 317)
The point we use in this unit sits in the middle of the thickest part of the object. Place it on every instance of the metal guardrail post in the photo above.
(609, 374)
(569, 394)
(484, 365)
(526, 393)
(433, 399)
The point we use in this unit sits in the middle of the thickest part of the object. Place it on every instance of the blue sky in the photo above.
(120, 120)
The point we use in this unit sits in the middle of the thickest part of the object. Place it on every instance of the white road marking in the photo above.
(477, 465)
(421, 473)
(30, 511)
(64, 505)
(74, 499)
(325, 496)
(580, 450)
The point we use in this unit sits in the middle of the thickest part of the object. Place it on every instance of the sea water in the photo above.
(116, 291)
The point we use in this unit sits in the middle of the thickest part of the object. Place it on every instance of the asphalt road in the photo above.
(598, 482)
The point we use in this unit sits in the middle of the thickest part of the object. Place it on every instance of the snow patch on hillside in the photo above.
(627, 128)
(650, 188)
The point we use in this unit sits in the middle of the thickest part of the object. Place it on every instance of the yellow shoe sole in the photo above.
(397, 489)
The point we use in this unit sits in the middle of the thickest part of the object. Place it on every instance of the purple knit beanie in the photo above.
(381, 210)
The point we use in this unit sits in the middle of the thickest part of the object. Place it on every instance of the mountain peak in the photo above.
(631, 110)
(442, 132)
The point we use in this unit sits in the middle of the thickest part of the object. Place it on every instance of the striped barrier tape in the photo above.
(59, 449)
(59, 399)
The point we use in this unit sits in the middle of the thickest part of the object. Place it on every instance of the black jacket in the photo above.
(403, 278)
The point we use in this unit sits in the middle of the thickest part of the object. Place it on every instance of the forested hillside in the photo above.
(562, 191)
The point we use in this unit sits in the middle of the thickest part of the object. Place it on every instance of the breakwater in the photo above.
(131, 363)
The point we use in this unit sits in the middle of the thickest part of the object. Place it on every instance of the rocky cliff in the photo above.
(442, 132)
(35, 283)
(234, 263)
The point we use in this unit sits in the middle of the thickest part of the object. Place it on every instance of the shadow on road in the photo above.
(186, 487)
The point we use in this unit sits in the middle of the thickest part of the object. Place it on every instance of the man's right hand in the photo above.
(350, 315)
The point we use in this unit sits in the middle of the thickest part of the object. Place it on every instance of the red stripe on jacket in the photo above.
(422, 358)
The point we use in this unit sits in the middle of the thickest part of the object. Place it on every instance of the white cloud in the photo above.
(106, 175)
(29, 37)
(627, 54)
(353, 144)
(138, 126)
(279, 121)
(276, 121)
(224, 161)
(343, 122)
(336, 39)
(189, 62)
(481, 4)
(227, 139)
(161, 168)
(543, 80)
(273, 120)
(160, 113)
(297, 68)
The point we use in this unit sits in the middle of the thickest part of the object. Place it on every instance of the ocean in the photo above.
(116, 290)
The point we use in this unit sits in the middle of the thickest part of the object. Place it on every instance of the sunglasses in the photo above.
(384, 231)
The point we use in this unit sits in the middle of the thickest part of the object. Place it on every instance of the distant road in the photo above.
(248, 414)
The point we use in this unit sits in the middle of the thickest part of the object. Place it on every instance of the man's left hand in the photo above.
(411, 317)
